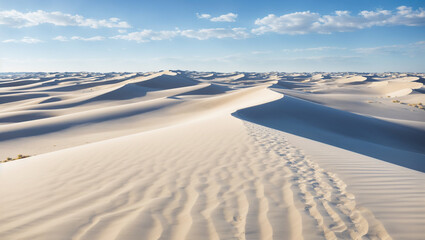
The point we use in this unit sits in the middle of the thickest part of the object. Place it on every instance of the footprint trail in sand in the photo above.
(324, 195)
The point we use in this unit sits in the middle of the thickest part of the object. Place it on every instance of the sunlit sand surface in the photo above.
(206, 155)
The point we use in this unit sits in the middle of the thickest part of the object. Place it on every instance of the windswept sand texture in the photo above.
(206, 155)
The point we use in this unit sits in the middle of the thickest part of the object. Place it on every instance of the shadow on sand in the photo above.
(373, 137)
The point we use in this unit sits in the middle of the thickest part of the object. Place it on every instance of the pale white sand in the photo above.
(187, 155)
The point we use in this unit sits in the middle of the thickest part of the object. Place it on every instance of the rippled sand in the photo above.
(189, 155)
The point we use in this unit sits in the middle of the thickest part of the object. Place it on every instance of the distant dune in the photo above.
(206, 155)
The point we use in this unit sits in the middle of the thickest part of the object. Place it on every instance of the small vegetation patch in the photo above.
(416, 105)
(20, 156)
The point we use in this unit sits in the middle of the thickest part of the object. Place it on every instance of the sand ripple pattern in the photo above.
(233, 193)
(241, 183)
(324, 195)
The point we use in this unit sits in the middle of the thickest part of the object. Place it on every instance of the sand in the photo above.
(192, 155)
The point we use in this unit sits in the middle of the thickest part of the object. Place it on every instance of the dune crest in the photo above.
(205, 155)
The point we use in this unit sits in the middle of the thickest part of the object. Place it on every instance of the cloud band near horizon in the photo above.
(290, 24)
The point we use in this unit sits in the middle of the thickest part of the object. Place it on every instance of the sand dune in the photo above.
(377, 138)
(192, 155)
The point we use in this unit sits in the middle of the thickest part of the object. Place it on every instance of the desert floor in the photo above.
(205, 155)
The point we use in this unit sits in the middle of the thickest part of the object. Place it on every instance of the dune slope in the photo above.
(370, 136)
(192, 155)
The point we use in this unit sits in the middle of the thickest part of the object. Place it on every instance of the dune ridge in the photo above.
(192, 155)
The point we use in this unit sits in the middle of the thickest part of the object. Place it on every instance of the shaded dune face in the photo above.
(205, 155)
(167, 82)
(374, 137)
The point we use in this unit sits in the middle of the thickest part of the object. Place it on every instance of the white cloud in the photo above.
(315, 49)
(18, 19)
(229, 17)
(90, 39)
(341, 21)
(204, 34)
(201, 34)
(411, 50)
(293, 23)
(417, 48)
(203, 16)
(148, 35)
(78, 38)
(23, 40)
(380, 49)
(60, 38)
(407, 16)
(260, 52)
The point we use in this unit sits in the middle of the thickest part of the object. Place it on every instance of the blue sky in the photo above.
(221, 35)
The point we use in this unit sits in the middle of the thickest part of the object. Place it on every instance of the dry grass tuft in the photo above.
(416, 105)
(20, 156)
